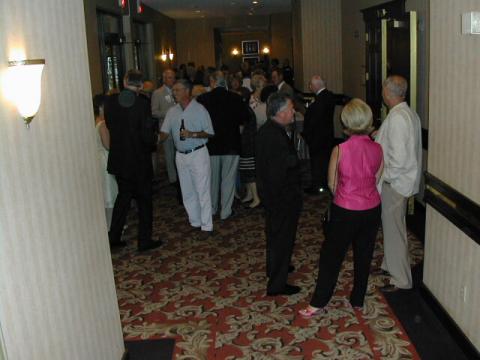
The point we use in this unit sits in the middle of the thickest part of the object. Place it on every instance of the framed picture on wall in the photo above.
(252, 60)
(250, 47)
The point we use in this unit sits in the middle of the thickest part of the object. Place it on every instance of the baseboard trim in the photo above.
(449, 324)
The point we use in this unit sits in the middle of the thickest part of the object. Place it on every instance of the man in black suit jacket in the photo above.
(318, 132)
(279, 187)
(227, 112)
(132, 139)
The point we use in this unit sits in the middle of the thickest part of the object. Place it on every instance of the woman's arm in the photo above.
(104, 136)
(333, 169)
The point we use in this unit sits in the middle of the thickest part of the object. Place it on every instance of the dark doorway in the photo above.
(390, 49)
(110, 37)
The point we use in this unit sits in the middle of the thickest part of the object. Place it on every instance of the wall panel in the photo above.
(452, 258)
(57, 292)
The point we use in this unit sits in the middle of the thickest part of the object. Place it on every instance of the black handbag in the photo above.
(326, 216)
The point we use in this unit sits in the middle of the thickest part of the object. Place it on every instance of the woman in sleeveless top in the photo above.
(109, 185)
(354, 169)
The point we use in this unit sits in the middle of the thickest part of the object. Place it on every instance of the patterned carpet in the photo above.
(210, 296)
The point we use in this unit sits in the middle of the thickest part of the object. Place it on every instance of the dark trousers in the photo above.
(347, 226)
(319, 160)
(281, 231)
(141, 190)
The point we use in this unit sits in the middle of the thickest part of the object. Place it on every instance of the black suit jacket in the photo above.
(228, 111)
(278, 169)
(318, 129)
(132, 138)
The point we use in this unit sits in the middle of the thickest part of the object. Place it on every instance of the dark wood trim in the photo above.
(388, 9)
(425, 139)
(456, 207)
(416, 221)
(449, 324)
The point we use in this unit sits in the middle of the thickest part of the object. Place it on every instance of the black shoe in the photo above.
(204, 235)
(150, 245)
(118, 244)
(288, 290)
(389, 288)
(232, 215)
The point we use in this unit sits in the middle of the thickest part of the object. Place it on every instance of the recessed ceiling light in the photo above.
(254, 2)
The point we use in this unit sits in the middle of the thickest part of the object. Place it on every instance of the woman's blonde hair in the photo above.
(357, 117)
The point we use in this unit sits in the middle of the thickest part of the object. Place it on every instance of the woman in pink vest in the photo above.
(354, 169)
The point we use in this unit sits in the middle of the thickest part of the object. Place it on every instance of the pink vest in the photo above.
(360, 159)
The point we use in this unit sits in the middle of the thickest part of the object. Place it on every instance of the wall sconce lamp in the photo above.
(266, 50)
(235, 52)
(170, 55)
(24, 86)
(163, 57)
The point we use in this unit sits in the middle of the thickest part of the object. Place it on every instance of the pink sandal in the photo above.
(311, 311)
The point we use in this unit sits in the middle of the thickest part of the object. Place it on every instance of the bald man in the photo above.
(318, 133)
(401, 139)
(162, 101)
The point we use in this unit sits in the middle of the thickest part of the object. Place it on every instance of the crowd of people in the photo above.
(217, 130)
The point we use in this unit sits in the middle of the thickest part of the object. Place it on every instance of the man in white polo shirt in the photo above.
(192, 158)
(401, 138)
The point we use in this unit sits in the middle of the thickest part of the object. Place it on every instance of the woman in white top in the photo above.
(110, 189)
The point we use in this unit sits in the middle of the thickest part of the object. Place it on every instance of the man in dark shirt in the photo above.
(278, 182)
(228, 112)
(132, 139)
(318, 132)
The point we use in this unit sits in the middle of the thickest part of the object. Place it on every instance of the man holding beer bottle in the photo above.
(190, 126)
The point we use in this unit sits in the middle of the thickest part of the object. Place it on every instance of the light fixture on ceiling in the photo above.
(23, 86)
(254, 2)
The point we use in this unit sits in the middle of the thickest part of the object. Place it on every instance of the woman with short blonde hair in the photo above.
(355, 213)
(357, 118)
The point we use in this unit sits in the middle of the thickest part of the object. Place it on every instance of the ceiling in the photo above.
(192, 9)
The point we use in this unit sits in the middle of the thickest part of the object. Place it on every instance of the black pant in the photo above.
(347, 226)
(141, 190)
(319, 160)
(281, 230)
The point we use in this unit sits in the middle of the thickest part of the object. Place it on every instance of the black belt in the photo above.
(191, 150)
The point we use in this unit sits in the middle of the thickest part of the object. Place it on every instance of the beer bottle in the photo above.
(182, 127)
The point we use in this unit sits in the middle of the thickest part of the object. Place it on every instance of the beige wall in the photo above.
(57, 291)
(451, 258)
(163, 37)
(321, 46)
(195, 39)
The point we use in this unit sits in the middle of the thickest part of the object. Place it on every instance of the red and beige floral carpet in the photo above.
(210, 295)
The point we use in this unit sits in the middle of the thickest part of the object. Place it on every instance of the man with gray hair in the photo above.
(318, 132)
(279, 187)
(228, 112)
(401, 141)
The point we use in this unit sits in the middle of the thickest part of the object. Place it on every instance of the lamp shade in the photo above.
(25, 86)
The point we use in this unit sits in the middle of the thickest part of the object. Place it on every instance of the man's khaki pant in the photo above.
(396, 258)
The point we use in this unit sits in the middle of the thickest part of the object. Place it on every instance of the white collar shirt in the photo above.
(401, 139)
(195, 117)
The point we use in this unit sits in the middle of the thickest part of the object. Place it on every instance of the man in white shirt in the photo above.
(162, 101)
(192, 158)
(282, 86)
(401, 140)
